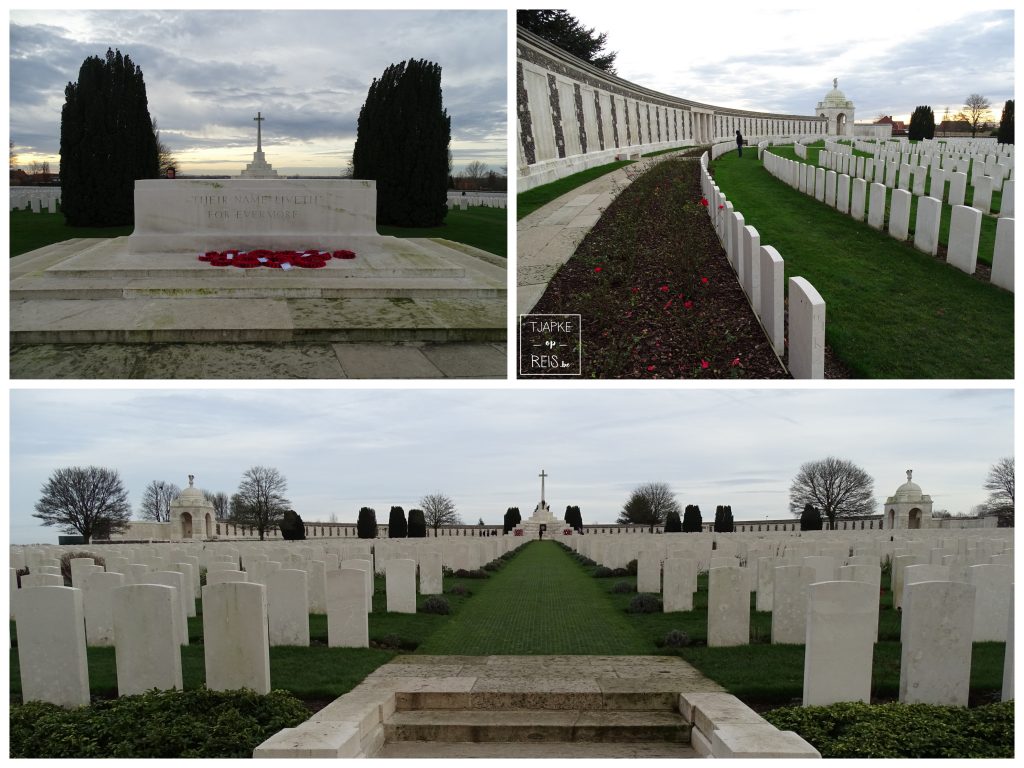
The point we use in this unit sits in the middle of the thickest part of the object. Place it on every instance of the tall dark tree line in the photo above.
(402, 142)
(107, 142)
(561, 28)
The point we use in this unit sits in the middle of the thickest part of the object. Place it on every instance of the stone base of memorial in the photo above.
(151, 286)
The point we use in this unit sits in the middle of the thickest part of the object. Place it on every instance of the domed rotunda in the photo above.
(838, 110)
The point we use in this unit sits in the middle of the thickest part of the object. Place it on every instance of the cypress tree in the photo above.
(574, 518)
(402, 142)
(417, 527)
(692, 522)
(107, 142)
(728, 525)
(922, 124)
(366, 523)
(291, 526)
(672, 523)
(397, 527)
(1005, 135)
(810, 518)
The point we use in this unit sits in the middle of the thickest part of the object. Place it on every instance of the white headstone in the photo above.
(935, 640)
(146, 649)
(964, 232)
(347, 624)
(235, 636)
(648, 573)
(1002, 255)
(899, 214)
(772, 277)
(841, 621)
(751, 280)
(992, 603)
(806, 330)
(789, 603)
(51, 645)
(287, 607)
(926, 229)
(876, 206)
(728, 607)
(400, 584)
(176, 580)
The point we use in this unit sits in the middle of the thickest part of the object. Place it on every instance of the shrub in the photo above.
(623, 588)
(477, 574)
(644, 603)
(603, 572)
(623, 572)
(391, 641)
(492, 566)
(460, 589)
(436, 604)
(901, 730)
(631, 567)
(160, 724)
(676, 638)
(65, 564)
(446, 571)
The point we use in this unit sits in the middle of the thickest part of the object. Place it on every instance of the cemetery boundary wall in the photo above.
(573, 116)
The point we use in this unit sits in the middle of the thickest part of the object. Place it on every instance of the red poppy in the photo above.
(688, 304)
(635, 290)
(721, 207)
(704, 202)
(736, 361)
(650, 367)
(667, 304)
(704, 280)
(597, 269)
(664, 289)
(704, 364)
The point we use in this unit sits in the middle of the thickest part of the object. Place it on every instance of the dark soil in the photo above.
(655, 291)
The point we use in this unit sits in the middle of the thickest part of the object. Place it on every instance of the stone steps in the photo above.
(215, 320)
(419, 750)
(536, 726)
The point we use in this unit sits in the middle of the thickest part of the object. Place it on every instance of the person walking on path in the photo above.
(739, 144)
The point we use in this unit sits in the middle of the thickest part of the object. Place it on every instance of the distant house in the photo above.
(953, 128)
(899, 128)
(19, 178)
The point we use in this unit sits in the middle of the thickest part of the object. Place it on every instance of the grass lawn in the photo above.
(34, 230)
(484, 228)
(987, 240)
(529, 201)
(542, 602)
(891, 311)
(481, 227)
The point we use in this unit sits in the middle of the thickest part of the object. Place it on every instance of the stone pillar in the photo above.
(728, 607)
(51, 645)
(347, 624)
(400, 583)
(287, 607)
(935, 639)
(147, 650)
(841, 618)
(235, 634)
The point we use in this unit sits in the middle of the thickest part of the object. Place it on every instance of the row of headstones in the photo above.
(36, 204)
(146, 622)
(979, 159)
(761, 273)
(835, 616)
(464, 203)
(909, 176)
(837, 191)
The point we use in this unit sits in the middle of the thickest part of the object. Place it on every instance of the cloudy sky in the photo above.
(207, 74)
(889, 57)
(344, 449)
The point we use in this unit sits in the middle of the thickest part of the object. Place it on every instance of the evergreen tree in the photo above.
(402, 142)
(692, 521)
(723, 519)
(512, 518)
(106, 142)
(1006, 124)
(417, 527)
(672, 522)
(397, 527)
(922, 124)
(564, 30)
(810, 518)
(291, 526)
(366, 523)
(574, 518)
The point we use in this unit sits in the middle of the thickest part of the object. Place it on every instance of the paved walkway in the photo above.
(550, 235)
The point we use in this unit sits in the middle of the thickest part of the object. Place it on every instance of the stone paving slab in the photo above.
(520, 751)
(306, 360)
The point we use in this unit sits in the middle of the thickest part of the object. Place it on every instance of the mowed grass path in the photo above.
(542, 602)
(891, 311)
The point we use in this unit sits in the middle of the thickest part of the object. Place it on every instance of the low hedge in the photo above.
(901, 730)
(167, 724)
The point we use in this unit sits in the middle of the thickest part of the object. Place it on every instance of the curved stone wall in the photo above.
(573, 116)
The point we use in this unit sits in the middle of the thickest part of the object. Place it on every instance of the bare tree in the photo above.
(260, 502)
(1000, 482)
(156, 501)
(167, 161)
(976, 109)
(84, 500)
(649, 504)
(839, 488)
(439, 510)
(475, 170)
(221, 504)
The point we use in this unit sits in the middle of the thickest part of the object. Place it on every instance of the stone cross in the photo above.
(542, 475)
(259, 133)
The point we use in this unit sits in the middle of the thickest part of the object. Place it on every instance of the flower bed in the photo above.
(308, 259)
(657, 296)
